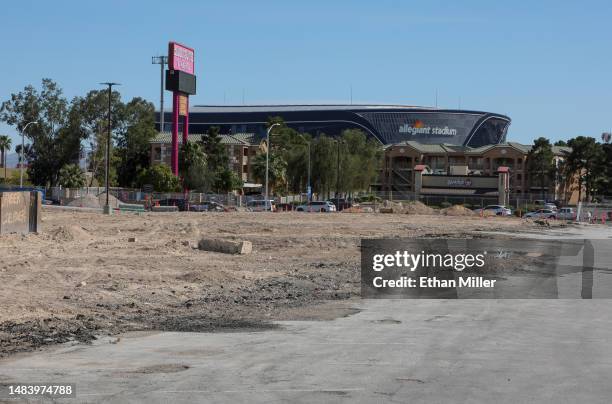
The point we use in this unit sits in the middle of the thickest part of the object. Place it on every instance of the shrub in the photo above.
(161, 178)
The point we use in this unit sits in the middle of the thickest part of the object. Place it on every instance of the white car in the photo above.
(317, 206)
(498, 210)
(541, 214)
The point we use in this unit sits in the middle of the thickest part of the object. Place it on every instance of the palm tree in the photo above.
(71, 176)
(5, 146)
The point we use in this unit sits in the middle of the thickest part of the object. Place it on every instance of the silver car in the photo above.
(566, 214)
(498, 210)
(541, 214)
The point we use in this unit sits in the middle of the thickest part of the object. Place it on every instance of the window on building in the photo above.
(493, 131)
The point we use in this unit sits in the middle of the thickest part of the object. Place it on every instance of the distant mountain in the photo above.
(12, 159)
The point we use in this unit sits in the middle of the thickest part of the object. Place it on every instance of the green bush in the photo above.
(161, 178)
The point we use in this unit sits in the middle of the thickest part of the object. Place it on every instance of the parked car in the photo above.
(341, 203)
(566, 214)
(317, 206)
(179, 203)
(498, 210)
(259, 205)
(541, 214)
(207, 207)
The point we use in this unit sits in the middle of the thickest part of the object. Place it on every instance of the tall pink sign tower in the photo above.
(180, 79)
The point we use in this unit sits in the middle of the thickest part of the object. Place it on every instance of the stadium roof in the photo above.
(300, 107)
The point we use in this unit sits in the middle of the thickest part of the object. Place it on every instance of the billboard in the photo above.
(180, 57)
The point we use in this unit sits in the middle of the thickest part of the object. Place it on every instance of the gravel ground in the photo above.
(85, 275)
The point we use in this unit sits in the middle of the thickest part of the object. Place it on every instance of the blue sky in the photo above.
(546, 64)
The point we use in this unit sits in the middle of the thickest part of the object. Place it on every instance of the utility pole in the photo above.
(162, 61)
(338, 173)
(107, 209)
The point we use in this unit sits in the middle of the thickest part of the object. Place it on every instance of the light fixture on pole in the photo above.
(162, 61)
(107, 209)
(268, 161)
(23, 152)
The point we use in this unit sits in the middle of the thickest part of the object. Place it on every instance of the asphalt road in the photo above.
(400, 351)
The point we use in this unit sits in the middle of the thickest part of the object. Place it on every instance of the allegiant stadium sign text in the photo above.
(428, 130)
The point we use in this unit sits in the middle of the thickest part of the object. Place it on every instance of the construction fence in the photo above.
(521, 203)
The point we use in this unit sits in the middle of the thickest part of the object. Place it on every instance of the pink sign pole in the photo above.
(181, 60)
(175, 120)
(186, 121)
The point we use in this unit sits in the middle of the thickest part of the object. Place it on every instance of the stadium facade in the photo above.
(389, 124)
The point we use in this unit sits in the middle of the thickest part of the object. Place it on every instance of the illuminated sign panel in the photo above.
(180, 57)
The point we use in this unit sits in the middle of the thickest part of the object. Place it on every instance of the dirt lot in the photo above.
(83, 276)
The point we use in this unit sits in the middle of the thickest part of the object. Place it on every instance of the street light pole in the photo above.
(309, 188)
(22, 152)
(268, 159)
(107, 209)
(161, 61)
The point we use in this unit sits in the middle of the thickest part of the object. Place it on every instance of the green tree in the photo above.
(324, 164)
(137, 128)
(93, 120)
(605, 183)
(226, 180)
(215, 151)
(193, 167)
(585, 162)
(56, 139)
(221, 177)
(27, 153)
(540, 164)
(360, 160)
(71, 176)
(160, 177)
(277, 171)
(5, 146)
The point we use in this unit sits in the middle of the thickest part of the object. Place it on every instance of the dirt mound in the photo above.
(94, 201)
(457, 210)
(86, 201)
(418, 208)
(69, 233)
